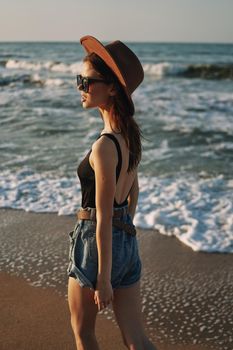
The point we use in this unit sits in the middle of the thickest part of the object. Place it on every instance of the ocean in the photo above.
(184, 108)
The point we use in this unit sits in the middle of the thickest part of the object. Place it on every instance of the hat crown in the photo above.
(128, 63)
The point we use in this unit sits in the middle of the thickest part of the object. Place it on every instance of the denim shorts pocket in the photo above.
(75, 229)
(72, 236)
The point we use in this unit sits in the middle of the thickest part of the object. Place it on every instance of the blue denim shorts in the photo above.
(83, 255)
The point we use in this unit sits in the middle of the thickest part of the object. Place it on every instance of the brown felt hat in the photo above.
(122, 61)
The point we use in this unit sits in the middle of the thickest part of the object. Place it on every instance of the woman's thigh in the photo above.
(82, 307)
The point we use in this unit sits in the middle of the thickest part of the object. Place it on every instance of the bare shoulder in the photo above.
(104, 149)
(103, 145)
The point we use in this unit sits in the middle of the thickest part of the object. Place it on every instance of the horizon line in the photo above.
(126, 41)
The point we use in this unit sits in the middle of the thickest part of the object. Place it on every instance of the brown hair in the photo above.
(121, 115)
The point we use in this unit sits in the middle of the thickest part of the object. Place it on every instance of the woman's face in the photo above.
(99, 93)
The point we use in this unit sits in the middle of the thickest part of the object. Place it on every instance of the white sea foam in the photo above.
(162, 69)
(67, 68)
(54, 82)
(198, 211)
(14, 64)
(49, 65)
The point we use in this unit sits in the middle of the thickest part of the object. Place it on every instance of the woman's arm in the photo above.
(133, 196)
(104, 156)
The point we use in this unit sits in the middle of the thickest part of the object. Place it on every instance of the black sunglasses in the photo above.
(86, 81)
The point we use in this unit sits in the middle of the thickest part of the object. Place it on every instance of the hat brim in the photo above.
(91, 44)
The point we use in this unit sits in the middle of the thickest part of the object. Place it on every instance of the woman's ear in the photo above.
(112, 90)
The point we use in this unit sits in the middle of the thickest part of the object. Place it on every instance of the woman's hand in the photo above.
(103, 294)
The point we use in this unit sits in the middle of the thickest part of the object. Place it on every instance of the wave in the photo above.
(54, 66)
(8, 80)
(28, 79)
(202, 71)
(209, 71)
(162, 69)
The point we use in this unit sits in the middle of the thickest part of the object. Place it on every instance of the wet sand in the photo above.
(186, 296)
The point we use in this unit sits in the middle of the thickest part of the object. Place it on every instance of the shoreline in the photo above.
(186, 295)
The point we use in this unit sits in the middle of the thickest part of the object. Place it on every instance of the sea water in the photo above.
(184, 108)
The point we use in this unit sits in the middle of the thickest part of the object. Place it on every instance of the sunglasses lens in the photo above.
(85, 84)
(79, 80)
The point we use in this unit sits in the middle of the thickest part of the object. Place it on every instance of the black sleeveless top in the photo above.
(87, 177)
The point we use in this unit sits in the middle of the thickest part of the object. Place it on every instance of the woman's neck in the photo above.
(110, 131)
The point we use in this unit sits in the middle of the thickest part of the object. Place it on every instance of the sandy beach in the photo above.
(186, 296)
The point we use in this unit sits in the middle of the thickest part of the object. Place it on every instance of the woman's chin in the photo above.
(84, 104)
(87, 106)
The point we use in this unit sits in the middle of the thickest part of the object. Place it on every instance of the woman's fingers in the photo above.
(100, 302)
(101, 306)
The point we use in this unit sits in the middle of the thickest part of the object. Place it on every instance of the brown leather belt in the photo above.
(90, 214)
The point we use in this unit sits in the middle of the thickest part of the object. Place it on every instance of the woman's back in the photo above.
(125, 179)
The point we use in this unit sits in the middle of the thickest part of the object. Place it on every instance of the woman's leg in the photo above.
(83, 315)
(127, 309)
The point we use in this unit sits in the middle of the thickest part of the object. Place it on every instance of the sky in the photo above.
(127, 20)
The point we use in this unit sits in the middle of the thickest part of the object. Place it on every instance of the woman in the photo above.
(104, 263)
